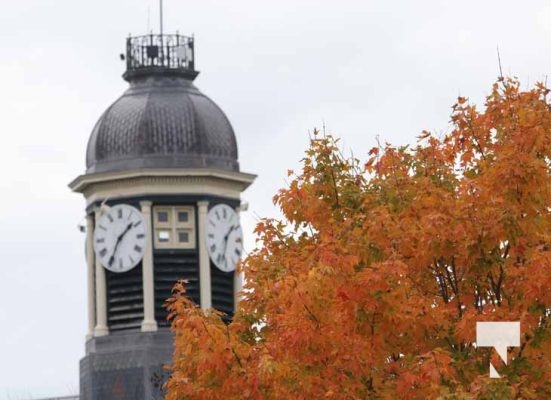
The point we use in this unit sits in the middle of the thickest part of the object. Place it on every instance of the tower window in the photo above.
(162, 216)
(183, 216)
(174, 227)
(183, 237)
(163, 236)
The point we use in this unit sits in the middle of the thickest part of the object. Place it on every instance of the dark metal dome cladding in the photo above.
(162, 120)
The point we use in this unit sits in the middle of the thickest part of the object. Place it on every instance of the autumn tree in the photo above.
(371, 286)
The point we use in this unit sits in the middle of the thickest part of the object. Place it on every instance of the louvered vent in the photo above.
(222, 290)
(169, 268)
(125, 299)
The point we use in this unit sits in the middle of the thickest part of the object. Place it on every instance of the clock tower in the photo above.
(162, 189)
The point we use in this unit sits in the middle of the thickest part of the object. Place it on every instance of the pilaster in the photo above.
(101, 328)
(90, 260)
(149, 323)
(204, 261)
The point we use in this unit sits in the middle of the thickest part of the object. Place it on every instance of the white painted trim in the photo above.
(204, 261)
(101, 328)
(148, 187)
(90, 264)
(239, 179)
(148, 324)
(237, 288)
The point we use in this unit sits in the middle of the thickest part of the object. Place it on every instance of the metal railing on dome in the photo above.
(173, 52)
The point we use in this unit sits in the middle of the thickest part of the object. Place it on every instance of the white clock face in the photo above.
(120, 238)
(224, 237)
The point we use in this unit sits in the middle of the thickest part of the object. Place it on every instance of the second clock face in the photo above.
(224, 237)
(120, 238)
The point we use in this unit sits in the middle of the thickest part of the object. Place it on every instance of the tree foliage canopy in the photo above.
(372, 284)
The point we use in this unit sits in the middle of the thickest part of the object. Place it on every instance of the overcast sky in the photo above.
(278, 69)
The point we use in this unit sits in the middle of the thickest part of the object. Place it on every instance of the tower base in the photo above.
(126, 366)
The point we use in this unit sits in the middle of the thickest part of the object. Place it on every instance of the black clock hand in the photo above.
(229, 232)
(233, 227)
(119, 240)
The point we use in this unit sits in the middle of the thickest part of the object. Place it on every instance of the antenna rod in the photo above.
(161, 6)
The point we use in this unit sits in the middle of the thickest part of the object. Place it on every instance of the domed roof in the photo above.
(162, 121)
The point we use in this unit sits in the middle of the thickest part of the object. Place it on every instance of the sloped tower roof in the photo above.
(162, 120)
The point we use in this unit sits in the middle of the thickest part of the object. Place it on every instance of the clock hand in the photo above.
(233, 227)
(119, 240)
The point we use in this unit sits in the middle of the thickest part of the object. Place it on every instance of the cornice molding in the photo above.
(97, 187)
